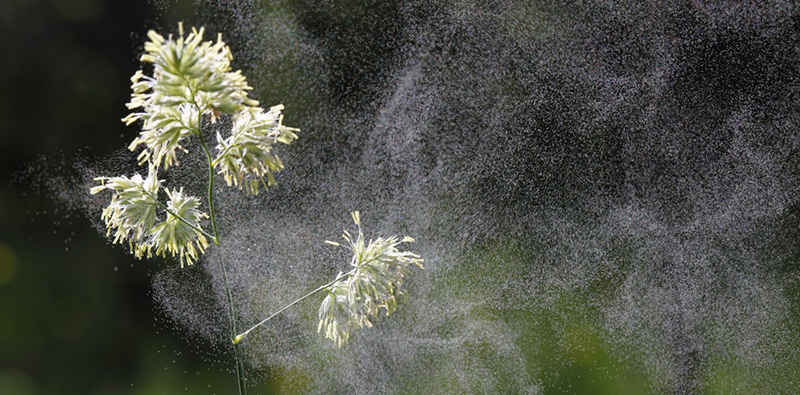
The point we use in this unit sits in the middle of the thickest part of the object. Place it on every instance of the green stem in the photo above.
(241, 336)
(232, 319)
(231, 312)
(210, 188)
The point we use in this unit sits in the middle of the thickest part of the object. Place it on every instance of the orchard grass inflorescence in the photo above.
(374, 283)
(192, 82)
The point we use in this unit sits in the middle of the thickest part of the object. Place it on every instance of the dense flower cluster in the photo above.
(191, 78)
(132, 212)
(334, 314)
(179, 234)
(245, 157)
(133, 216)
(374, 283)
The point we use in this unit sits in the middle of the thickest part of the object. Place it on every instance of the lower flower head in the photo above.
(131, 215)
(374, 284)
(181, 233)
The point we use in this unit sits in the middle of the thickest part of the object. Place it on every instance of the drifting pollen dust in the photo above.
(593, 187)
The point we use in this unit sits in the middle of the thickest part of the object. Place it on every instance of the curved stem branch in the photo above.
(242, 335)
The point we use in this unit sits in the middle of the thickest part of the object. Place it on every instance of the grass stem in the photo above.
(228, 294)
(242, 335)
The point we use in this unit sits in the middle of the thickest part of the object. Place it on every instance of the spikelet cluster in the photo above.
(180, 234)
(374, 284)
(245, 158)
(191, 78)
(133, 216)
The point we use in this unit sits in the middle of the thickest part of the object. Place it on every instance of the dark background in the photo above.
(77, 314)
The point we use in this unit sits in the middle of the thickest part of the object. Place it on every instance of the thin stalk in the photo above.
(210, 187)
(232, 319)
(241, 336)
(231, 312)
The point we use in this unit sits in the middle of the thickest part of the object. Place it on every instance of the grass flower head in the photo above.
(131, 215)
(191, 78)
(245, 158)
(374, 284)
(181, 233)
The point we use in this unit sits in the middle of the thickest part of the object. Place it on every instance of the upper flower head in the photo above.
(162, 131)
(191, 77)
(374, 283)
